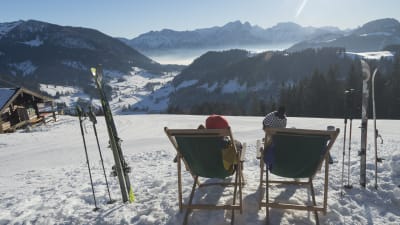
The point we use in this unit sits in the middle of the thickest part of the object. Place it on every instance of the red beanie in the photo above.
(216, 122)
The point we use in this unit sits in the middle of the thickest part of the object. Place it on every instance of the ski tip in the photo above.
(93, 71)
(131, 195)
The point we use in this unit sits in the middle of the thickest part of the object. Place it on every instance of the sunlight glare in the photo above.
(300, 9)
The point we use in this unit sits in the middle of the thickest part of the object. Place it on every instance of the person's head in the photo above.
(216, 122)
(281, 112)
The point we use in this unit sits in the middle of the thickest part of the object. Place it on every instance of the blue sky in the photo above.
(129, 18)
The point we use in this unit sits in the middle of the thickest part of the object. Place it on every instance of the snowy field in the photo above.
(44, 177)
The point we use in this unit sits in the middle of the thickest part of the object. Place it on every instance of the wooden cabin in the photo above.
(20, 107)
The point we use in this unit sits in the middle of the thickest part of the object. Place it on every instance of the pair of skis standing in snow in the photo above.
(349, 105)
(121, 168)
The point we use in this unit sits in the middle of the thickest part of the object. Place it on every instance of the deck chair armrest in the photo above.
(259, 149)
(243, 152)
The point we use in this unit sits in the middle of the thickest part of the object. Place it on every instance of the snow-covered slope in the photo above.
(372, 55)
(6, 27)
(44, 177)
(137, 92)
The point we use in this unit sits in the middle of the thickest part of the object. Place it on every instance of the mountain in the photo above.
(372, 36)
(234, 34)
(238, 77)
(33, 52)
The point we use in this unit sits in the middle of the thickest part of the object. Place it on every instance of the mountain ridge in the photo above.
(372, 36)
(233, 34)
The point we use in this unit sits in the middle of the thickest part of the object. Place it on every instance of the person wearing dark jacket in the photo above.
(275, 119)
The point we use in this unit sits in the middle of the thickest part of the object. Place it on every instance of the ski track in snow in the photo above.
(44, 177)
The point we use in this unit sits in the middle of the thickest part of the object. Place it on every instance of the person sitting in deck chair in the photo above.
(275, 119)
(228, 152)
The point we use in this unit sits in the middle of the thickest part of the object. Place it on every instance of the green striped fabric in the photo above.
(297, 156)
(203, 155)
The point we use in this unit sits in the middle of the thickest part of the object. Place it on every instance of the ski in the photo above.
(377, 135)
(121, 167)
(366, 74)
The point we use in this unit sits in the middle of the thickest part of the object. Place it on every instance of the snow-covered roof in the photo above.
(5, 95)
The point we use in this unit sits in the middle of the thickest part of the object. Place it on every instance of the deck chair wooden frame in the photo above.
(269, 133)
(238, 173)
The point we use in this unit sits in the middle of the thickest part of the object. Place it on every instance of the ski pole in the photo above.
(351, 102)
(349, 186)
(344, 152)
(92, 118)
(80, 113)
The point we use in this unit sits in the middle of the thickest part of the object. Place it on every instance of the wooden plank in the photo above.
(292, 206)
(210, 207)
(199, 132)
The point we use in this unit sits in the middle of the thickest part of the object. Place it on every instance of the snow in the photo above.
(70, 42)
(209, 88)
(233, 86)
(25, 67)
(186, 83)
(34, 43)
(66, 94)
(371, 55)
(141, 91)
(74, 64)
(44, 177)
(376, 34)
(6, 27)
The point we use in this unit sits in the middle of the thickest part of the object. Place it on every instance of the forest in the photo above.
(320, 94)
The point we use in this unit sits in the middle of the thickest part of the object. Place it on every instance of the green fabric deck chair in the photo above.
(201, 152)
(295, 153)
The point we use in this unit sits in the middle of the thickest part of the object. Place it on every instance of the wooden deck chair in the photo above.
(201, 152)
(295, 153)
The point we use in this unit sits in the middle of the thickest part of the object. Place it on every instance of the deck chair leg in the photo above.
(179, 184)
(267, 196)
(261, 182)
(314, 202)
(188, 211)
(241, 189)
(242, 175)
(233, 217)
(325, 203)
(237, 177)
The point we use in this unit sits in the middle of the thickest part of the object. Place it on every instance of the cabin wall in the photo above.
(25, 109)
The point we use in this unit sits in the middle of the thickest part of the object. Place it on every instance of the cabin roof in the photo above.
(7, 96)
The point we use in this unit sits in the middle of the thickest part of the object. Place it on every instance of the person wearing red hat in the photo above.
(228, 154)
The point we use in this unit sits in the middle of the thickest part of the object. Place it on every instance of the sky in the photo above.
(130, 18)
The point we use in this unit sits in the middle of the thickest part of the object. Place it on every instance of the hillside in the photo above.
(33, 52)
(239, 80)
(372, 36)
